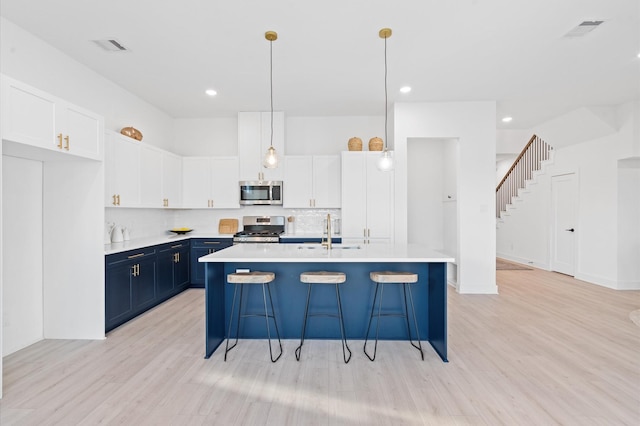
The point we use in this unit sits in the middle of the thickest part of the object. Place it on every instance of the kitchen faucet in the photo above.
(327, 243)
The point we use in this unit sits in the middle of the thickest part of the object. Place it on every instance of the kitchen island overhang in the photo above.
(288, 261)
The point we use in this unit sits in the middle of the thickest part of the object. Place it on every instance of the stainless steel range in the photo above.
(260, 229)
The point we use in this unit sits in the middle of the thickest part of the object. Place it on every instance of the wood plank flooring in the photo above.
(547, 350)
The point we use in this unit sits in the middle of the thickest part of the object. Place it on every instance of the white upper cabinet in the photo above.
(210, 182)
(122, 171)
(367, 198)
(33, 117)
(312, 181)
(254, 138)
(171, 180)
(150, 177)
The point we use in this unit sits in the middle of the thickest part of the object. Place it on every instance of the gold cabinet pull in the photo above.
(135, 255)
(114, 200)
(118, 197)
(135, 270)
(60, 140)
(212, 242)
(178, 256)
(66, 140)
(177, 246)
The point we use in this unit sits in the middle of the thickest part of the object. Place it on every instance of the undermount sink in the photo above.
(334, 247)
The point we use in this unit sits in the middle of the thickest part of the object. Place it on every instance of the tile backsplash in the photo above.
(144, 223)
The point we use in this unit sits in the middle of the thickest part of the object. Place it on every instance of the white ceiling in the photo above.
(329, 60)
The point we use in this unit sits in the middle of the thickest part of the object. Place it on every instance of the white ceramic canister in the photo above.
(116, 234)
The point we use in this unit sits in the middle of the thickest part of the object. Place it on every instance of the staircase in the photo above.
(530, 160)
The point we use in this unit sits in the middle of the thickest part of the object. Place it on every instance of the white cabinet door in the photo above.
(298, 182)
(196, 182)
(171, 179)
(224, 183)
(33, 117)
(150, 177)
(122, 171)
(367, 198)
(249, 145)
(327, 181)
(81, 131)
(379, 200)
(28, 115)
(254, 138)
(354, 196)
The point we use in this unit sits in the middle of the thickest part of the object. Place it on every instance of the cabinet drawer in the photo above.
(177, 245)
(126, 256)
(214, 243)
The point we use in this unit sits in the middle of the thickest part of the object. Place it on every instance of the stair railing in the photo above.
(531, 157)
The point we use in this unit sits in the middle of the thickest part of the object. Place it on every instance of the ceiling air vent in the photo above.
(583, 28)
(111, 45)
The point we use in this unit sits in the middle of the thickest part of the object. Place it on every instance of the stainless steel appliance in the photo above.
(261, 192)
(260, 229)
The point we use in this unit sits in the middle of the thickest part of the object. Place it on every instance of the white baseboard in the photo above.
(608, 283)
(523, 261)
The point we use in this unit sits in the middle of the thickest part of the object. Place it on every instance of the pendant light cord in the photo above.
(386, 108)
(271, 86)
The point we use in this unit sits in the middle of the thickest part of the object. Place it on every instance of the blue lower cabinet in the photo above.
(138, 280)
(202, 247)
(143, 285)
(130, 285)
(173, 269)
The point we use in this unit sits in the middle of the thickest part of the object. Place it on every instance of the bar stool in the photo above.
(241, 279)
(393, 277)
(324, 277)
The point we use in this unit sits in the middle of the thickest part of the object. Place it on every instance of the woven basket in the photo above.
(132, 132)
(376, 144)
(355, 144)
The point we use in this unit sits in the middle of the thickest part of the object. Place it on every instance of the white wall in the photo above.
(22, 274)
(629, 223)
(329, 135)
(607, 196)
(206, 137)
(425, 172)
(31, 60)
(473, 124)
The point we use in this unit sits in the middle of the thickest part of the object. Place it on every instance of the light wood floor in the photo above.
(548, 350)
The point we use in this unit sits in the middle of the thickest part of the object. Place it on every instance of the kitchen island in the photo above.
(288, 261)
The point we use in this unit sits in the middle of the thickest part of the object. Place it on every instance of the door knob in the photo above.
(570, 230)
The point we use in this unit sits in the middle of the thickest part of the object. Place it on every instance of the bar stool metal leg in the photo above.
(415, 321)
(342, 331)
(304, 323)
(233, 304)
(267, 316)
(373, 307)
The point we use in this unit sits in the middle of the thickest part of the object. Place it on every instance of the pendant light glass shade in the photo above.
(385, 162)
(271, 158)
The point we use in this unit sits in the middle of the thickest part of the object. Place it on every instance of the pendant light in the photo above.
(271, 157)
(385, 162)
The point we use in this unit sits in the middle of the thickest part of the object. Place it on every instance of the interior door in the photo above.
(564, 205)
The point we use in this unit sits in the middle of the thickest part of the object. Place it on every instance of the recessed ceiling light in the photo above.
(506, 119)
(210, 92)
(405, 89)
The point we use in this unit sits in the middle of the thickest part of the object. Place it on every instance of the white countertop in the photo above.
(306, 253)
(160, 239)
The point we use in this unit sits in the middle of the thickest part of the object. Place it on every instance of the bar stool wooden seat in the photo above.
(393, 277)
(324, 277)
(240, 279)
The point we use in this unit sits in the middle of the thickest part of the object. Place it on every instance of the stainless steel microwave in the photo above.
(261, 192)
